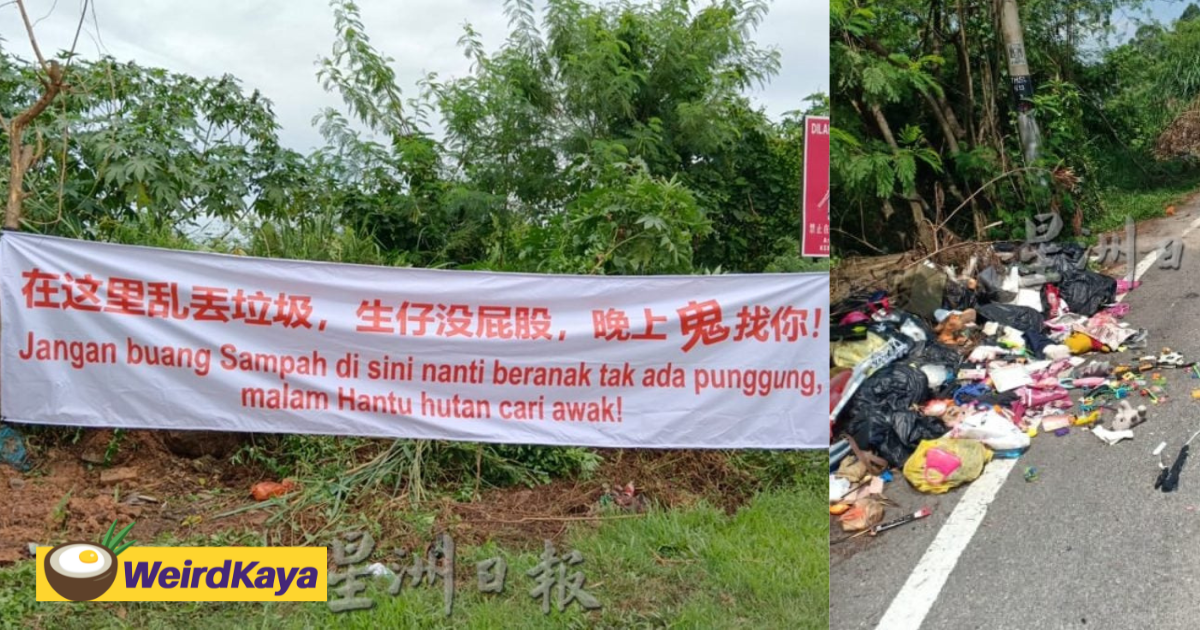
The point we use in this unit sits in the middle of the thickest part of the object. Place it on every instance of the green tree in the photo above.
(604, 139)
(123, 138)
(925, 120)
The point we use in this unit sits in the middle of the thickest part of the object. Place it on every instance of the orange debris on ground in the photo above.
(264, 490)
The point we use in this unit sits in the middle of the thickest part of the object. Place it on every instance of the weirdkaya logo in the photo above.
(84, 571)
(233, 575)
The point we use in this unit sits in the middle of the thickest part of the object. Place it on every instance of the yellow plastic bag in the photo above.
(851, 353)
(932, 478)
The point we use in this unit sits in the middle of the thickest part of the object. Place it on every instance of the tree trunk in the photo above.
(943, 122)
(963, 49)
(925, 235)
(22, 156)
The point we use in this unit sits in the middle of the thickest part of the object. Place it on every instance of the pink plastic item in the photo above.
(1040, 397)
(854, 318)
(941, 461)
(1089, 382)
(1118, 310)
(1124, 286)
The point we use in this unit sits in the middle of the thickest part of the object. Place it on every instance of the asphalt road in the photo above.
(1090, 543)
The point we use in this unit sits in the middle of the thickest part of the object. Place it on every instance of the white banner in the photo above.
(106, 335)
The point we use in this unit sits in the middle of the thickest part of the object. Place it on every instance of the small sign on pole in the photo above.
(815, 240)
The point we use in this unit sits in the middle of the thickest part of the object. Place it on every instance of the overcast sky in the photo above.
(272, 45)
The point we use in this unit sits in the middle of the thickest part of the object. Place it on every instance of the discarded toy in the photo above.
(1031, 474)
(1127, 417)
(1169, 358)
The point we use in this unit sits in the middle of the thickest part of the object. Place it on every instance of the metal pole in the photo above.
(1018, 72)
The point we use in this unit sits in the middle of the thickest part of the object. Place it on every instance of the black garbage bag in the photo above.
(1087, 292)
(881, 413)
(939, 354)
(1025, 319)
(848, 332)
(1060, 257)
(895, 436)
(912, 427)
(896, 387)
(958, 297)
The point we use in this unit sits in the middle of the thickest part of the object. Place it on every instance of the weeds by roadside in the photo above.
(764, 566)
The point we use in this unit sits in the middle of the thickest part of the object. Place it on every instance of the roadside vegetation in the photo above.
(598, 139)
(926, 148)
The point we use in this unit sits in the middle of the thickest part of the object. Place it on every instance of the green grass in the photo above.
(1148, 203)
(766, 566)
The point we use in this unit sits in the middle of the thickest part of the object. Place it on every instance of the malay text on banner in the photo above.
(97, 334)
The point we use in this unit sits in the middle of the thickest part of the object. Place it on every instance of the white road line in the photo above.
(921, 590)
(915, 599)
(1148, 262)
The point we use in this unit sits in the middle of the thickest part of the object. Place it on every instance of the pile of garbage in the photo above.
(956, 367)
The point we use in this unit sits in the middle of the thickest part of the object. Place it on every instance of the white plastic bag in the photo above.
(996, 431)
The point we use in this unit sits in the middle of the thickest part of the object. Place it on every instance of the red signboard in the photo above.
(816, 187)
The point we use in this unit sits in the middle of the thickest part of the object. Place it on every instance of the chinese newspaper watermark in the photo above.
(557, 578)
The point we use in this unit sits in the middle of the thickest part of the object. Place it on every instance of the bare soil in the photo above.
(64, 498)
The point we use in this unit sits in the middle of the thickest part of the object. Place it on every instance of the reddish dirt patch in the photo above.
(63, 498)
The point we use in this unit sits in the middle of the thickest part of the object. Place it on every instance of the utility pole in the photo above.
(1018, 72)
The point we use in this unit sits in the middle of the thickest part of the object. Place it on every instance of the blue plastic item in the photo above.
(12, 449)
(974, 389)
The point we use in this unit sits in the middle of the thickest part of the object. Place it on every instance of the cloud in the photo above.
(272, 45)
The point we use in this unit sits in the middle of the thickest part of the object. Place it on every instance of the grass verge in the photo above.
(765, 566)
(1116, 204)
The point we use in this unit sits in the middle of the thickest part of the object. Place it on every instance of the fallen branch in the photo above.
(993, 180)
(950, 247)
